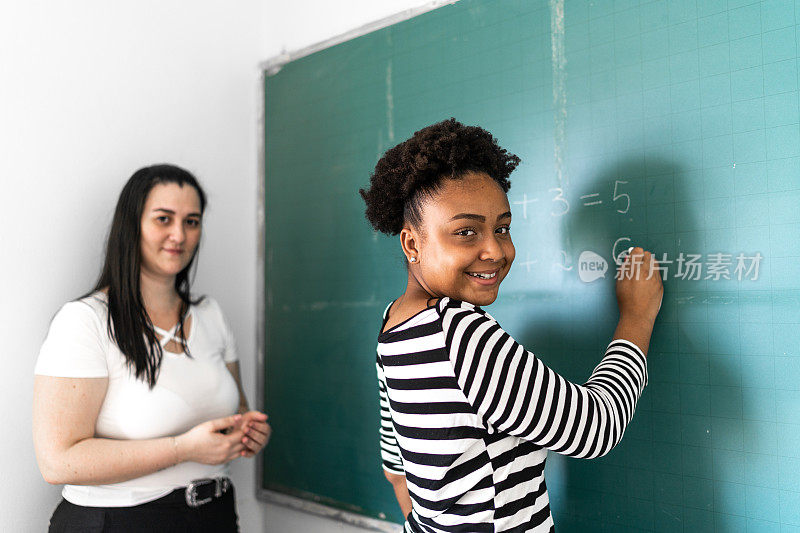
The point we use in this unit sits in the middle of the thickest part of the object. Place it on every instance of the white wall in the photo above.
(90, 90)
(293, 25)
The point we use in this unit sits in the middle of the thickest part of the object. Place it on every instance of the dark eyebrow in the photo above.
(469, 216)
(171, 212)
(480, 218)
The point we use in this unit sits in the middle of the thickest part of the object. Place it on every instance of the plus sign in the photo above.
(524, 203)
(527, 263)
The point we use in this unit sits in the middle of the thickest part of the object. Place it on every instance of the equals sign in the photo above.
(593, 195)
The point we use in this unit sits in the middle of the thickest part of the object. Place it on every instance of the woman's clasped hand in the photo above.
(256, 432)
(224, 439)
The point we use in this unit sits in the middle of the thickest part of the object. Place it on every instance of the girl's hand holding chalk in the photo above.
(639, 287)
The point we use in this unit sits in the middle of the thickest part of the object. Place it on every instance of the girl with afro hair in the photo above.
(467, 414)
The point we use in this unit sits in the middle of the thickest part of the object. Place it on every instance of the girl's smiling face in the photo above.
(463, 248)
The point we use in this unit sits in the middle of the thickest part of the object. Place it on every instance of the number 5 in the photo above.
(623, 195)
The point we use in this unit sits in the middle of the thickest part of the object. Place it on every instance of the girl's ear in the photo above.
(409, 242)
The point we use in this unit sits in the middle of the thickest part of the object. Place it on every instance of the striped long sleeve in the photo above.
(516, 394)
(390, 452)
(468, 415)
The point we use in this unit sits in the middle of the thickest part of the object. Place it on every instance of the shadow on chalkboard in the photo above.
(661, 473)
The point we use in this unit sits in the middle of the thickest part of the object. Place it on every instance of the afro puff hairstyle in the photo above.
(415, 168)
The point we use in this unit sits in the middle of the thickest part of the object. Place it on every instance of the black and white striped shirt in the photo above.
(467, 415)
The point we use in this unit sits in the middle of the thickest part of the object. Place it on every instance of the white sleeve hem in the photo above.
(395, 472)
(630, 344)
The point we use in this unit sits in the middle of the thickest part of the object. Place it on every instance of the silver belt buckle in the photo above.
(221, 485)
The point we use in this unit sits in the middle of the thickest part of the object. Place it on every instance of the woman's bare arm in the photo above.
(400, 491)
(233, 368)
(256, 429)
(639, 294)
(65, 412)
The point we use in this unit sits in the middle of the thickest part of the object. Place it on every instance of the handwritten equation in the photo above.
(560, 205)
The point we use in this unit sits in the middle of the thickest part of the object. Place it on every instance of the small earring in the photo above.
(413, 260)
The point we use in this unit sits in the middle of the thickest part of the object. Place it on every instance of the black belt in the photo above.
(199, 491)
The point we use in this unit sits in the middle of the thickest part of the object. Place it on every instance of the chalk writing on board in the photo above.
(620, 199)
(560, 198)
(561, 261)
(565, 263)
(620, 196)
(524, 203)
(528, 262)
(624, 243)
(592, 197)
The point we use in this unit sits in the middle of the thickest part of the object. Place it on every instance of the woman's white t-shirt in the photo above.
(189, 390)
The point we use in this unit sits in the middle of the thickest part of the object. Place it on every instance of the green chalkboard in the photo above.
(672, 125)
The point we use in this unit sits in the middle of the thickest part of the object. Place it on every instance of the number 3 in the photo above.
(560, 198)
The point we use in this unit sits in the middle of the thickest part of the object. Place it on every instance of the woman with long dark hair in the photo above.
(138, 405)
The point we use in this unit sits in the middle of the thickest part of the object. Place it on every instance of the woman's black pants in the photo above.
(169, 514)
